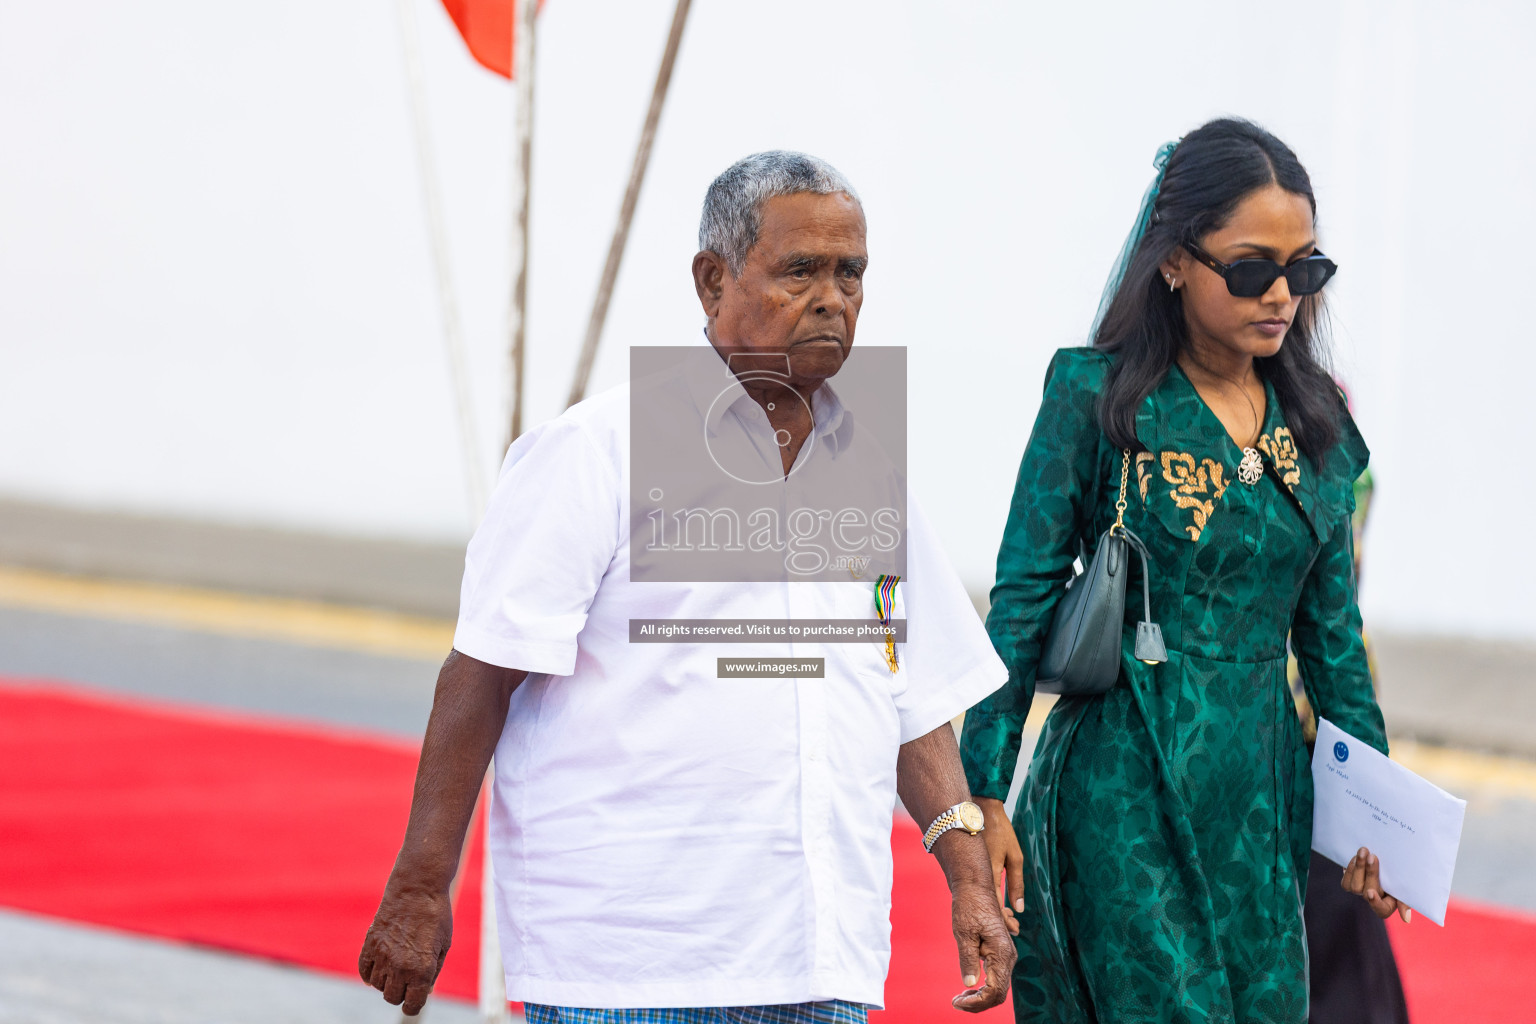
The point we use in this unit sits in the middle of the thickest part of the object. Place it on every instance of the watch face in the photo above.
(971, 817)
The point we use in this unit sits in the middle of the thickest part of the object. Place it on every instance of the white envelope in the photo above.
(1366, 799)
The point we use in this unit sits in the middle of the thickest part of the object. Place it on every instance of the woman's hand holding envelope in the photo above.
(1362, 876)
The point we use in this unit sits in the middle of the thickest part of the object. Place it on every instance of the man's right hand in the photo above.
(1007, 860)
(404, 948)
(405, 945)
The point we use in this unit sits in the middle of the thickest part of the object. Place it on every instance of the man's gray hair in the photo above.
(733, 205)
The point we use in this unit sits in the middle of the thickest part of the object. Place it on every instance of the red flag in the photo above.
(486, 26)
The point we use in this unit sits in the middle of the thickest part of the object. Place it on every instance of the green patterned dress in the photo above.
(1166, 824)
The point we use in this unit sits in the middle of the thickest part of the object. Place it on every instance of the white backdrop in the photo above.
(216, 292)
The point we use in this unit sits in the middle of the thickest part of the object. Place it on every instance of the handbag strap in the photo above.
(1133, 541)
(1120, 506)
(1135, 544)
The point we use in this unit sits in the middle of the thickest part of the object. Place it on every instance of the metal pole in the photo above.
(482, 806)
(524, 19)
(493, 982)
(627, 210)
(448, 302)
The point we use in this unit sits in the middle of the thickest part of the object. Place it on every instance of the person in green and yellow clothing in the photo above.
(1157, 860)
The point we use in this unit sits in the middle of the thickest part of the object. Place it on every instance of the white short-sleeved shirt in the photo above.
(662, 836)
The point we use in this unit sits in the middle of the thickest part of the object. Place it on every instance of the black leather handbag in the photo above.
(1081, 653)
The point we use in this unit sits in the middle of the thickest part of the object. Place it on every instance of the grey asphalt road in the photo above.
(53, 972)
(387, 694)
(1497, 842)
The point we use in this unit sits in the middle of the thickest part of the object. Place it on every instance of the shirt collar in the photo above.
(715, 391)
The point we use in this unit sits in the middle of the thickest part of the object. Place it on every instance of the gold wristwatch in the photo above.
(964, 815)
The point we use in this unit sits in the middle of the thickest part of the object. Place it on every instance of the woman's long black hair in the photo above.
(1213, 169)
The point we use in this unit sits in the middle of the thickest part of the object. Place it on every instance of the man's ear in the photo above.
(709, 272)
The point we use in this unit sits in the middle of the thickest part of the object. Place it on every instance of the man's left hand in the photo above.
(985, 947)
(929, 778)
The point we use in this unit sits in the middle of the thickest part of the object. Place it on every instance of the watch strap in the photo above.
(943, 823)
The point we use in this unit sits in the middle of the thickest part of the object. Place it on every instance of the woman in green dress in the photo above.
(1158, 856)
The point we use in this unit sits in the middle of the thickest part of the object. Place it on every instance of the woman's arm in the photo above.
(1325, 634)
(1052, 503)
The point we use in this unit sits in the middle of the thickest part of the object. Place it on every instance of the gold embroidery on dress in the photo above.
(1191, 479)
(1143, 473)
(1281, 450)
(1217, 471)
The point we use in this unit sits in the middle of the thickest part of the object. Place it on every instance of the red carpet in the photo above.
(273, 838)
(1477, 968)
(266, 838)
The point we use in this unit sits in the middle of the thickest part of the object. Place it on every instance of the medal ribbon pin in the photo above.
(885, 600)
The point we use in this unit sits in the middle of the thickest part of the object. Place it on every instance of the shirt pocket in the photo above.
(865, 654)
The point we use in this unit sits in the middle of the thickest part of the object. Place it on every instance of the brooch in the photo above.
(1251, 470)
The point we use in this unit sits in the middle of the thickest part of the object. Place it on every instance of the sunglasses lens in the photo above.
(1248, 279)
(1308, 276)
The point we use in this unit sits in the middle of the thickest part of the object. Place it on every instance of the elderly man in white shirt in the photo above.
(679, 836)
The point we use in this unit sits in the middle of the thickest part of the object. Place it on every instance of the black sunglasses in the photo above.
(1249, 279)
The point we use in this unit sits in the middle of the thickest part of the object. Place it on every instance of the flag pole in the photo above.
(524, 19)
(627, 210)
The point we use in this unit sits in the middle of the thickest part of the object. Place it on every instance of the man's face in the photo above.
(800, 290)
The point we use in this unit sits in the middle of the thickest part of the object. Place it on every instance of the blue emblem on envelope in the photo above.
(1340, 751)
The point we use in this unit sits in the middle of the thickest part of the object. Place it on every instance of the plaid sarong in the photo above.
(835, 1011)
